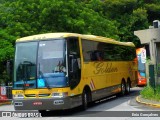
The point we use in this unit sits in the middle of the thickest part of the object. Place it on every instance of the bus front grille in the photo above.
(37, 95)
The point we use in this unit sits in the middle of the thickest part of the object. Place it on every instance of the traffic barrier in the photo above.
(5, 94)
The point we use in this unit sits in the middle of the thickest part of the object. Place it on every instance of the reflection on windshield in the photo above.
(51, 56)
(25, 65)
(52, 63)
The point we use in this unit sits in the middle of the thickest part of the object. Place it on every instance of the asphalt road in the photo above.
(110, 108)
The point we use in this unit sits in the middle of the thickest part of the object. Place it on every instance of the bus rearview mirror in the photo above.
(9, 65)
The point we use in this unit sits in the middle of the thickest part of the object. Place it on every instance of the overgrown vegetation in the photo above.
(150, 93)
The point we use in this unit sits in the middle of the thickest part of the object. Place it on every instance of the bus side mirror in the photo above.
(9, 67)
(73, 64)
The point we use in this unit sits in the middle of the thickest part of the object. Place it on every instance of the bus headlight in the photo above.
(61, 94)
(18, 96)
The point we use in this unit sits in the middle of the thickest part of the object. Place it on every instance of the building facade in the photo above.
(150, 38)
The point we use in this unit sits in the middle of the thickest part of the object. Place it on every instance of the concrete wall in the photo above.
(147, 35)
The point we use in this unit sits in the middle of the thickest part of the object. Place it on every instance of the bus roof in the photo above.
(65, 35)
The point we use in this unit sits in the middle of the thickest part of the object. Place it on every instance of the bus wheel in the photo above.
(123, 88)
(84, 100)
(128, 87)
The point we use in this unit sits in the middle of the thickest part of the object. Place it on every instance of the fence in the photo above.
(5, 94)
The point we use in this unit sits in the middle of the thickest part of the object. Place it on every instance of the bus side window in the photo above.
(99, 55)
(96, 56)
(93, 56)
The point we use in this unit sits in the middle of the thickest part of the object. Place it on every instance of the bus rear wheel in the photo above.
(84, 100)
(128, 87)
(123, 88)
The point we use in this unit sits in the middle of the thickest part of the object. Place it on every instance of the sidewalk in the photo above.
(152, 103)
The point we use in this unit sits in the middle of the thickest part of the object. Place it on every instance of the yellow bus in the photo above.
(57, 71)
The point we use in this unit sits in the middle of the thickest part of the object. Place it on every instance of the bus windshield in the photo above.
(40, 64)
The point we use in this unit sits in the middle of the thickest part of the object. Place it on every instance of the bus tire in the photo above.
(84, 100)
(123, 88)
(128, 86)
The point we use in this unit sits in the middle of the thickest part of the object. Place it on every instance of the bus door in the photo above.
(74, 71)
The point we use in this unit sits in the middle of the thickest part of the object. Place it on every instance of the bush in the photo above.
(149, 93)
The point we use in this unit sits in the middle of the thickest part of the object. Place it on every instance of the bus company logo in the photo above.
(92, 85)
(102, 68)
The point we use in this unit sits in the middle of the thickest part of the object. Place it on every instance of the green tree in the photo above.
(6, 53)
(110, 18)
(28, 17)
(129, 16)
(153, 11)
(20, 18)
(76, 17)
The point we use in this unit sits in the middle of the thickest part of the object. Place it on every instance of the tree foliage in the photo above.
(110, 18)
(6, 52)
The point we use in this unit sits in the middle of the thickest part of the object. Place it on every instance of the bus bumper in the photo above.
(46, 104)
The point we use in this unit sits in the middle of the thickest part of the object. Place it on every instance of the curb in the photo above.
(147, 103)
